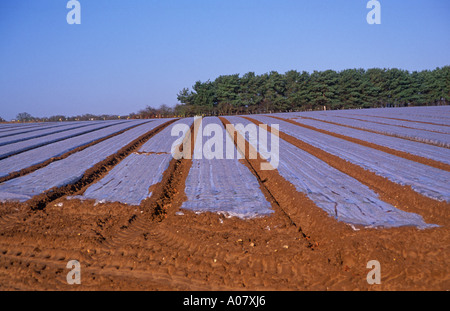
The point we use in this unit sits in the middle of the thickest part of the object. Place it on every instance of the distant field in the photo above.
(349, 185)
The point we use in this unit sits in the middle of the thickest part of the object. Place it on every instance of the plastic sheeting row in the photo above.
(46, 131)
(340, 195)
(13, 129)
(41, 140)
(416, 148)
(70, 169)
(130, 181)
(432, 114)
(41, 154)
(429, 181)
(222, 185)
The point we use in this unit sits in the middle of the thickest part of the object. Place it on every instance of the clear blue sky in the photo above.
(128, 54)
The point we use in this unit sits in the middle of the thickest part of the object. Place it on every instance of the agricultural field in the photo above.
(285, 201)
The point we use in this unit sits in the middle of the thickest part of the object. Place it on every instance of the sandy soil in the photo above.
(157, 246)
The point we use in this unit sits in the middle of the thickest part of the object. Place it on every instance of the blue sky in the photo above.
(127, 54)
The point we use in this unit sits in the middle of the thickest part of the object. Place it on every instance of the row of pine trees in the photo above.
(301, 91)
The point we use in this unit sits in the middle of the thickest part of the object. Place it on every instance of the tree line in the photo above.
(303, 91)
(26, 117)
(294, 91)
(148, 113)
